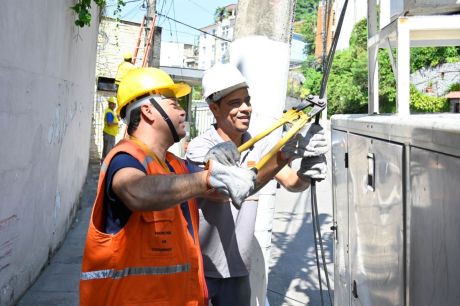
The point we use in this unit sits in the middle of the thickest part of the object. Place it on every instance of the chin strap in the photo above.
(166, 118)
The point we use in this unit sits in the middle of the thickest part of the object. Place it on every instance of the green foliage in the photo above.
(303, 8)
(220, 14)
(453, 87)
(312, 74)
(347, 88)
(431, 57)
(306, 10)
(197, 92)
(348, 85)
(358, 37)
(82, 9)
(387, 90)
(421, 103)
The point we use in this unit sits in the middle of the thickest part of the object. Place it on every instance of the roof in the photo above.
(453, 95)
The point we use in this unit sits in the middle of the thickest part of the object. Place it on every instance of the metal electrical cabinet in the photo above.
(396, 191)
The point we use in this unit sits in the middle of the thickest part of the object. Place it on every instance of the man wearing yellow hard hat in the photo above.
(110, 127)
(124, 67)
(142, 245)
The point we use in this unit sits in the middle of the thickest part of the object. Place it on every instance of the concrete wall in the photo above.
(113, 41)
(47, 68)
(441, 77)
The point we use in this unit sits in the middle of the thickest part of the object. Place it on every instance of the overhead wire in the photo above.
(177, 39)
(187, 25)
(197, 5)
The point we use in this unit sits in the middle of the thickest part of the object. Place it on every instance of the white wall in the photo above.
(172, 54)
(47, 68)
(356, 10)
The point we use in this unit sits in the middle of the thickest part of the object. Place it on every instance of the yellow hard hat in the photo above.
(112, 99)
(141, 81)
(127, 56)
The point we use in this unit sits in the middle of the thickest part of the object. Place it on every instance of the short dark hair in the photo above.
(135, 118)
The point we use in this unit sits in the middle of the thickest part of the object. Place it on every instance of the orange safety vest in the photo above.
(153, 259)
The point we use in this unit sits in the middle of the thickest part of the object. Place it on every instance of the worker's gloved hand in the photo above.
(226, 153)
(310, 141)
(234, 181)
(313, 168)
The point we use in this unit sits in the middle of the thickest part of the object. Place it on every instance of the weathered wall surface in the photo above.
(440, 77)
(114, 40)
(47, 68)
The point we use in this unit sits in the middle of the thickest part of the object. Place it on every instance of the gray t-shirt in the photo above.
(226, 233)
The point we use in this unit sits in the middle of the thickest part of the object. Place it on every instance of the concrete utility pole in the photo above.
(154, 53)
(261, 51)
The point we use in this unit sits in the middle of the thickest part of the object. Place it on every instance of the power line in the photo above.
(218, 37)
(196, 4)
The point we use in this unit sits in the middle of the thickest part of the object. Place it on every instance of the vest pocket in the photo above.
(159, 235)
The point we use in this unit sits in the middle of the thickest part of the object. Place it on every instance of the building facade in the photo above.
(212, 49)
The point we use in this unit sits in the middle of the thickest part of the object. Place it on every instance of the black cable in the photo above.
(218, 37)
(330, 56)
(314, 202)
(314, 220)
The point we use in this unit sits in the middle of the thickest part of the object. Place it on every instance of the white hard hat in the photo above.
(221, 80)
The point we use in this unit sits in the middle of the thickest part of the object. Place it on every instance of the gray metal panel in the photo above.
(436, 132)
(434, 269)
(339, 192)
(376, 222)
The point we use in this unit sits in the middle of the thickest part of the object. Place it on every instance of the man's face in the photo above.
(233, 112)
(112, 105)
(176, 113)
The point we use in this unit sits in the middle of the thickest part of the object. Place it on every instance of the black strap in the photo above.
(166, 118)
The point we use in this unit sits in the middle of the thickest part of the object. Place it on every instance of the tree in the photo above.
(421, 103)
(306, 11)
(82, 9)
(431, 57)
(220, 14)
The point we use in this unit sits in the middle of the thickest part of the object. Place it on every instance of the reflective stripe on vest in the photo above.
(153, 250)
(117, 274)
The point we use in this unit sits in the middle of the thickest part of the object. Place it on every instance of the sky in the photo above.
(197, 13)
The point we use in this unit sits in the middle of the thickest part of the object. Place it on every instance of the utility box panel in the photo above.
(339, 141)
(392, 9)
(423, 7)
(397, 220)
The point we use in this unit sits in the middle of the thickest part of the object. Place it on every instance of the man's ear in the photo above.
(214, 107)
(146, 111)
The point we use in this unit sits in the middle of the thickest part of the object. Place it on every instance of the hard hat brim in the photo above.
(217, 96)
(178, 89)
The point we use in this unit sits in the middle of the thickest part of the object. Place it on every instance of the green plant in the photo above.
(421, 103)
(453, 87)
(197, 92)
(82, 9)
(220, 14)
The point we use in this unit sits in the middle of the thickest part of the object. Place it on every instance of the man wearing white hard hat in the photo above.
(226, 231)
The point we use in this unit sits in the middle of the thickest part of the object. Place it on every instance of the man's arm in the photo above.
(111, 120)
(140, 192)
(277, 167)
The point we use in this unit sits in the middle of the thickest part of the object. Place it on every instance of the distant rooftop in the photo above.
(453, 95)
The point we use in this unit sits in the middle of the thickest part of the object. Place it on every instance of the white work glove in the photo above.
(233, 181)
(313, 168)
(226, 153)
(310, 141)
